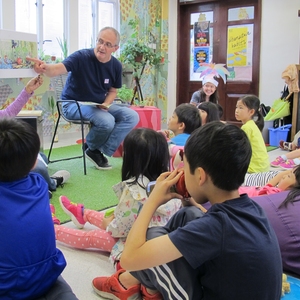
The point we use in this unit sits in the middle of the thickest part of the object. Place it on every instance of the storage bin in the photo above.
(277, 134)
(265, 131)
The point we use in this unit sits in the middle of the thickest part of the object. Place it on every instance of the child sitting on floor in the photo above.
(59, 177)
(291, 146)
(145, 157)
(285, 180)
(209, 112)
(30, 262)
(247, 110)
(184, 120)
(229, 253)
(288, 160)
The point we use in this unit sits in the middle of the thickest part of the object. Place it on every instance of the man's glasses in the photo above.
(106, 44)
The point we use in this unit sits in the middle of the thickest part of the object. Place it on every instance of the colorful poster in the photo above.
(201, 34)
(237, 46)
(201, 55)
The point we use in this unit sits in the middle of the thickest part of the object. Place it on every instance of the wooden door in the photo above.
(229, 21)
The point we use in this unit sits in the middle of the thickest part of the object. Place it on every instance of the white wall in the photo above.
(280, 45)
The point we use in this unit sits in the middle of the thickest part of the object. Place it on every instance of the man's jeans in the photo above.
(108, 128)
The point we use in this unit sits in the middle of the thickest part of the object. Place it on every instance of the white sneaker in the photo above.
(61, 177)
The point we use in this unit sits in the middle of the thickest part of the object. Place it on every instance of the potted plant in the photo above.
(63, 46)
(136, 52)
(125, 94)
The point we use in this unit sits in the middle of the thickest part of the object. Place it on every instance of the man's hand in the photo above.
(39, 65)
(104, 106)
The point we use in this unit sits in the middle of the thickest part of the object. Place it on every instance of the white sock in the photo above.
(296, 161)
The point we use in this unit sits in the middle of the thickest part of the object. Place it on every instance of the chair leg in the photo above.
(83, 150)
(53, 138)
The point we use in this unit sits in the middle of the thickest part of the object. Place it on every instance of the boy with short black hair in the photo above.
(30, 263)
(184, 120)
(229, 253)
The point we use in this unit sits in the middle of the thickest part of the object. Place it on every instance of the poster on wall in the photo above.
(201, 55)
(14, 47)
(201, 34)
(239, 52)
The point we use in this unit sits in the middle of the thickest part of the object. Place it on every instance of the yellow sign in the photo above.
(237, 46)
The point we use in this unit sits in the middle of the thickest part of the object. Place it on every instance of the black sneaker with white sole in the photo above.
(98, 159)
(59, 180)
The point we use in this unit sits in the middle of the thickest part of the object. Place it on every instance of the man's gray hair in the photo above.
(116, 32)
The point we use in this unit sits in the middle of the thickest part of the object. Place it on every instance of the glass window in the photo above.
(106, 16)
(25, 15)
(241, 13)
(51, 19)
(201, 42)
(86, 24)
(53, 16)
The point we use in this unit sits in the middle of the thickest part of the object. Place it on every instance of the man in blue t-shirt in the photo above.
(231, 252)
(94, 77)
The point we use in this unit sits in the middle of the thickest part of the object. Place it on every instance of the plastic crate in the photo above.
(277, 134)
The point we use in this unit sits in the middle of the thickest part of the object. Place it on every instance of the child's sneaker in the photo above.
(110, 288)
(279, 160)
(289, 164)
(60, 177)
(54, 218)
(147, 296)
(75, 211)
(285, 145)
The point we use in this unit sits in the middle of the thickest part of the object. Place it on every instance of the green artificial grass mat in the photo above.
(270, 148)
(94, 190)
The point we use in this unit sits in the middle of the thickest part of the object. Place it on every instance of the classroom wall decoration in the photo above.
(152, 16)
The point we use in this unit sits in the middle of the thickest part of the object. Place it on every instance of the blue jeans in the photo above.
(43, 170)
(108, 128)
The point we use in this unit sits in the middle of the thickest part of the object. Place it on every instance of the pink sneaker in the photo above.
(55, 220)
(75, 211)
(289, 164)
(110, 288)
(279, 160)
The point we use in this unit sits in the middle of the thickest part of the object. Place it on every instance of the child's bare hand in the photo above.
(34, 83)
(106, 221)
(165, 133)
(190, 201)
(162, 191)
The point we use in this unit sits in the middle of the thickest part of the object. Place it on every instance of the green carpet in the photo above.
(270, 148)
(94, 190)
